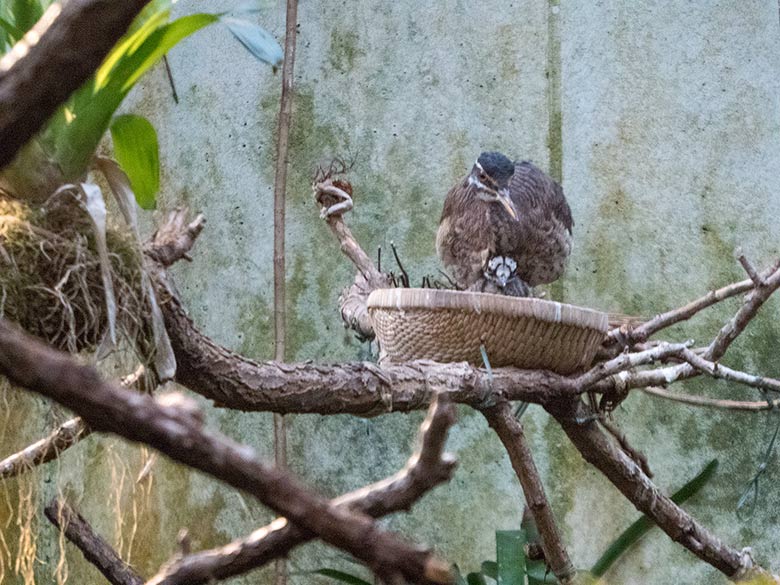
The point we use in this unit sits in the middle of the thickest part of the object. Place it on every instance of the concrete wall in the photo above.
(663, 120)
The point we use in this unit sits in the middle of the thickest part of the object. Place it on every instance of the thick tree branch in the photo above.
(628, 477)
(178, 432)
(94, 548)
(52, 60)
(510, 431)
(428, 467)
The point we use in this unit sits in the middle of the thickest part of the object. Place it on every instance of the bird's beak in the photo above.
(506, 201)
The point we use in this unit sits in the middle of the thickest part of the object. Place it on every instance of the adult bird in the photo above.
(505, 228)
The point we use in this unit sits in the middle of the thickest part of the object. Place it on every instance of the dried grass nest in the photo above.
(51, 282)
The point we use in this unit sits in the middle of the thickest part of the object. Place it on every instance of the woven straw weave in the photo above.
(449, 326)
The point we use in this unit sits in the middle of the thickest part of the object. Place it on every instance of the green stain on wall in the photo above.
(256, 327)
(343, 51)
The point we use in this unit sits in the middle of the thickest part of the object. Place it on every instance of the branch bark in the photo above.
(510, 431)
(177, 431)
(94, 548)
(628, 477)
(62, 438)
(428, 467)
(53, 60)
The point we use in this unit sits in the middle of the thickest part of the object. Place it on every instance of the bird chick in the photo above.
(500, 277)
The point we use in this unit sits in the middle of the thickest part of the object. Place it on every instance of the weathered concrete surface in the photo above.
(663, 119)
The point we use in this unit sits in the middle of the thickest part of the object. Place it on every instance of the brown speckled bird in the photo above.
(506, 227)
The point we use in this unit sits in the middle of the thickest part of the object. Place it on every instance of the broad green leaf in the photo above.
(75, 141)
(10, 33)
(510, 557)
(490, 569)
(25, 13)
(137, 151)
(256, 40)
(341, 576)
(639, 528)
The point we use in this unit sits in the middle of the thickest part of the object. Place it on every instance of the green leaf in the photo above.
(510, 556)
(341, 576)
(256, 40)
(639, 528)
(76, 137)
(475, 579)
(137, 151)
(11, 33)
(25, 13)
(490, 569)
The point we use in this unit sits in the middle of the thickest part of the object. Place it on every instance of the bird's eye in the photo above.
(482, 177)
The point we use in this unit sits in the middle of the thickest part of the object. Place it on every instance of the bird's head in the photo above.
(490, 176)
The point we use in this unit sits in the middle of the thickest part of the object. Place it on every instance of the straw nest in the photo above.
(51, 282)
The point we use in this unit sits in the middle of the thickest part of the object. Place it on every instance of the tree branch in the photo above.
(510, 431)
(628, 477)
(176, 430)
(62, 438)
(738, 405)
(427, 467)
(94, 548)
(53, 60)
(352, 301)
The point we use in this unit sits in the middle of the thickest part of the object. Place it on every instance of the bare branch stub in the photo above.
(106, 407)
(427, 468)
(94, 548)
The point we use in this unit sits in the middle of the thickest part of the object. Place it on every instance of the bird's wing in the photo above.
(530, 187)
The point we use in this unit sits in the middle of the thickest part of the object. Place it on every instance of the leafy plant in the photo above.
(63, 151)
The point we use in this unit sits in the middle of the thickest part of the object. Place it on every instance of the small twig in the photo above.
(280, 195)
(717, 370)
(174, 238)
(510, 431)
(738, 405)
(404, 275)
(757, 279)
(626, 361)
(428, 467)
(62, 438)
(639, 457)
(94, 548)
(170, 79)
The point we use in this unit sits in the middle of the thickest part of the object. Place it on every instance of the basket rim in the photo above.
(542, 309)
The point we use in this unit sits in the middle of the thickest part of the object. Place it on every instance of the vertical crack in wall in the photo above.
(554, 114)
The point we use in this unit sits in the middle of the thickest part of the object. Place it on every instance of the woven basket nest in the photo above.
(450, 326)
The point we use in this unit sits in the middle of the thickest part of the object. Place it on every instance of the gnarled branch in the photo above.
(427, 467)
(177, 430)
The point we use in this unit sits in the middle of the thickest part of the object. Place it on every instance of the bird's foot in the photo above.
(334, 199)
